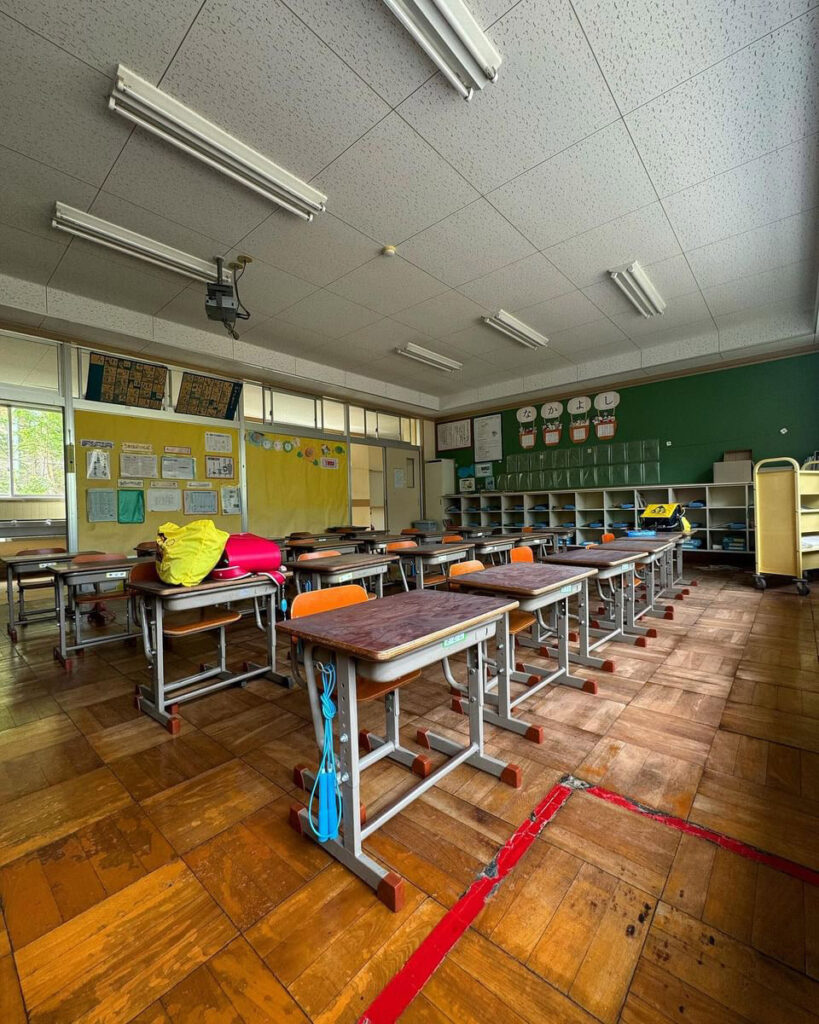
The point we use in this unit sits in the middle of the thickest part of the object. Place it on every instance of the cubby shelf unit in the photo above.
(727, 511)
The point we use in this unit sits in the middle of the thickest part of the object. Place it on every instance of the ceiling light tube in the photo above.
(103, 232)
(517, 329)
(423, 355)
(634, 283)
(449, 35)
(157, 112)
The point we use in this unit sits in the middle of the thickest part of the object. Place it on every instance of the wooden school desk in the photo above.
(160, 700)
(68, 580)
(344, 547)
(658, 573)
(426, 556)
(497, 545)
(379, 541)
(383, 641)
(616, 568)
(327, 572)
(19, 567)
(535, 587)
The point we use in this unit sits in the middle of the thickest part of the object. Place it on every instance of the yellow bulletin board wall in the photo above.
(295, 483)
(159, 432)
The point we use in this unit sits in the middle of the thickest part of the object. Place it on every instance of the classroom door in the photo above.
(403, 488)
(367, 480)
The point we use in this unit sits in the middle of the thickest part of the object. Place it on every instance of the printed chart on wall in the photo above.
(455, 434)
(488, 438)
(208, 396)
(125, 381)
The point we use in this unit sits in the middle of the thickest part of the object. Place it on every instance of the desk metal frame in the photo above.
(489, 547)
(17, 568)
(330, 578)
(421, 559)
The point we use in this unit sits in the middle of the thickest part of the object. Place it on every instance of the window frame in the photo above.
(12, 494)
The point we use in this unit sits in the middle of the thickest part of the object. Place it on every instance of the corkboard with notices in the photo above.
(208, 396)
(125, 381)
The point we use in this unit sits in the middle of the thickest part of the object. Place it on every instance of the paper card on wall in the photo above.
(98, 464)
(199, 485)
(130, 506)
(129, 482)
(216, 442)
(136, 446)
(101, 505)
(164, 483)
(219, 467)
(483, 469)
(488, 438)
(200, 503)
(175, 449)
(399, 478)
(88, 443)
(133, 465)
(178, 467)
(164, 499)
(231, 501)
(466, 484)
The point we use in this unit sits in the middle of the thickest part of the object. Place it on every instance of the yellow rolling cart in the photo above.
(786, 517)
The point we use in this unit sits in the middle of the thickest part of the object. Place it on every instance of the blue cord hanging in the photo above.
(326, 784)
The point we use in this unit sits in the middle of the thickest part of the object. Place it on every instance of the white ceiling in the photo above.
(682, 133)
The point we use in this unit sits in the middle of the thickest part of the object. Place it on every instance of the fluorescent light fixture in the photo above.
(157, 112)
(423, 355)
(517, 329)
(103, 232)
(449, 35)
(634, 283)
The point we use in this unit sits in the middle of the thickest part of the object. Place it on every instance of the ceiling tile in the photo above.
(532, 279)
(30, 257)
(671, 277)
(295, 100)
(328, 314)
(260, 358)
(279, 336)
(685, 309)
(505, 363)
(682, 343)
(549, 95)
(764, 190)
(392, 184)
(28, 191)
(619, 362)
(20, 294)
(380, 337)
(796, 280)
(772, 245)
(644, 235)
(266, 290)
(559, 314)
(387, 285)
(54, 106)
(579, 341)
(774, 322)
(87, 311)
(158, 177)
(645, 49)
(442, 314)
(588, 184)
(88, 270)
(470, 243)
(320, 252)
(144, 36)
(12, 315)
(764, 97)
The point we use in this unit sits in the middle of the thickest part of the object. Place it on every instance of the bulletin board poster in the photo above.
(208, 396)
(455, 434)
(295, 483)
(125, 381)
(137, 512)
(488, 438)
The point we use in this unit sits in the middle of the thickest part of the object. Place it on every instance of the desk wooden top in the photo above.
(496, 538)
(524, 579)
(340, 563)
(598, 558)
(385, 629)
(429, 550)
(650, 544)
(156, 588)
(16, 561)
(306, 544)
(108, 565)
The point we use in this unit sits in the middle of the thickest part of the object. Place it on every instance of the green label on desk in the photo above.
(344, 576)
(572, 588)
(450, 640)
(116, 575)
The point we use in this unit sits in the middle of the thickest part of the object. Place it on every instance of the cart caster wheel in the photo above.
(802, 589)
(760, 582)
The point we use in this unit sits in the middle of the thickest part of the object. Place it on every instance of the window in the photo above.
(333, 416)
(296, 410)
(253, 398)
(31, 452)
(389, 427)
(28, 363)
(356, 420)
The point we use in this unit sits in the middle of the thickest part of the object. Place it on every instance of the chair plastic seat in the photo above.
(519, 621)
(367, 689)
(434, 581)
(187, 625)
(104, 595)
(35, 583)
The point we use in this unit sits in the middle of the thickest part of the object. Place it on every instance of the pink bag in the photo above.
(245, 554)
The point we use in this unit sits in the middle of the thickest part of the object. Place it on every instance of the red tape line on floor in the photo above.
(772, 860)
(388, 1006)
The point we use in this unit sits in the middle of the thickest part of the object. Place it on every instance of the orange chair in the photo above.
(522, 554)
(410, 531)
(607, 538)
(461, 568)
(452, 538)
(402, 545)
(317, 554)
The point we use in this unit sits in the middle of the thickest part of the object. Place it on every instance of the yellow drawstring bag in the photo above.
(186, 554)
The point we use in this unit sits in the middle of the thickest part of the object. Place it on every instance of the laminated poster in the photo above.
(101, 505)
(98, 464)
(231, 501)
(134, 465)
(200, 503)
(130, 506)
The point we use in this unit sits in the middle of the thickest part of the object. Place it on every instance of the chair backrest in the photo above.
(327, 599)
(607, 538)
(108, 556)
(452, 538)
(317, 554)
(528, 529)
(143, 572)
(399, 545)
(521, 555)
(460, 568)
(42, 551)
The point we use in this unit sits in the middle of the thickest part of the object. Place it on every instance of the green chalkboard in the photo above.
(689, 421)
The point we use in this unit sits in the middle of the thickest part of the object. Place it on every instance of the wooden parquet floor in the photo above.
(154, 879)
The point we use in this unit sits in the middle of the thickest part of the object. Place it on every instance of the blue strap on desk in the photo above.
(326, 784)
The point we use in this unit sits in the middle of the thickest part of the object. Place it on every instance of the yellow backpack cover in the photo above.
(186, 554)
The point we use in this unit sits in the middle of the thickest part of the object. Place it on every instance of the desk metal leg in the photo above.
(11, 625)
(61, 652)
